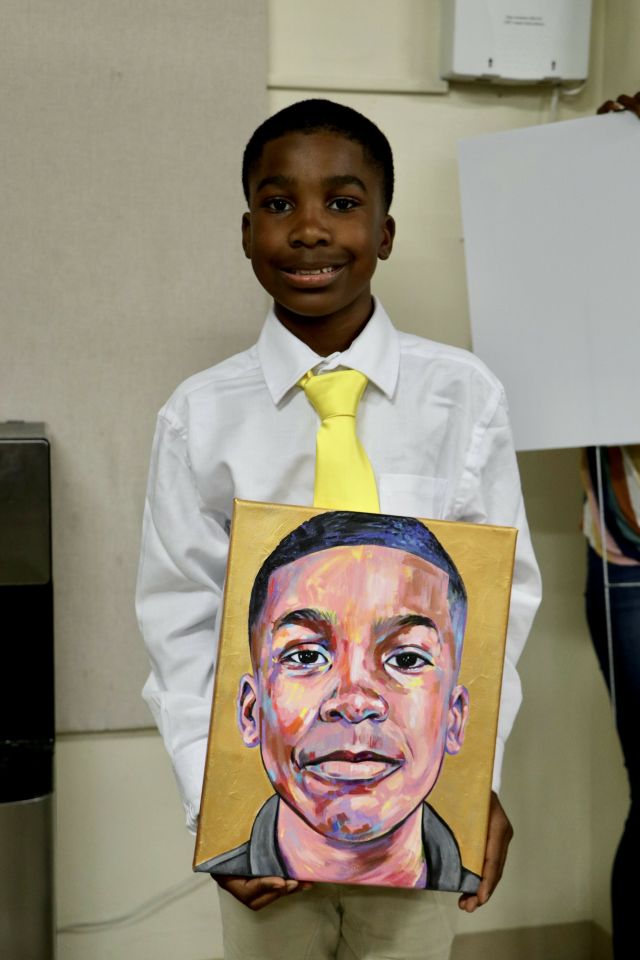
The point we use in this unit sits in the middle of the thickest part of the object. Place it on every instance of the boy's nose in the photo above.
(310, 228)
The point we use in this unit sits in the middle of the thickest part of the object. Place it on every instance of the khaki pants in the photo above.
(331, 922)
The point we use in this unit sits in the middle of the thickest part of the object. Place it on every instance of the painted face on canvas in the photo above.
(354, 699)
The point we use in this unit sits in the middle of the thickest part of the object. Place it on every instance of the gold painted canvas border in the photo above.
(235, 785)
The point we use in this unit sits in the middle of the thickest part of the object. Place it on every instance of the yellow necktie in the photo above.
(344, 476)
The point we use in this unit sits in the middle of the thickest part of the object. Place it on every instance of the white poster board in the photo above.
(552, 237)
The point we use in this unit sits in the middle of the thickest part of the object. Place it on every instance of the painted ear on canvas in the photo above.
(352, 700)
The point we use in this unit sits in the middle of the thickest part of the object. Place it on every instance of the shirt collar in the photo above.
(285, 359)
(264, 856)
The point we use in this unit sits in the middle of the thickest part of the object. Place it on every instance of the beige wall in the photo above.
(120, 266)
(120, 839)
(621, 68)
(120, 843)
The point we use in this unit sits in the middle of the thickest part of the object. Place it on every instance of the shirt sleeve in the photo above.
(490, 492)
(178, 596)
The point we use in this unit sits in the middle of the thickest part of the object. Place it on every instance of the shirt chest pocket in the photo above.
(409, 495)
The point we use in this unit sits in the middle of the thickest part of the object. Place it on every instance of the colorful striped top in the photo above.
(621, 489)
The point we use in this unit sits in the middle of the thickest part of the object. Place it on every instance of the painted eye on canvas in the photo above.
(409, 660)
(306, 658)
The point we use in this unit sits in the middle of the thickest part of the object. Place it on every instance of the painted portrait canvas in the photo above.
(356, 698)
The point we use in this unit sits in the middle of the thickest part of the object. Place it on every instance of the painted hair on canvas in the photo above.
(343, 529)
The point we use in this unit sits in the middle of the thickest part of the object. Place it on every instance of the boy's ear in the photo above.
(386, 241)
(248, 711)
(246, 234)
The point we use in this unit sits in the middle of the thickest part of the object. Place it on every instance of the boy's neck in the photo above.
(327, 335)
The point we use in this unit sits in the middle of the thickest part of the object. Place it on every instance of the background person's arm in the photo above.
(623, 102)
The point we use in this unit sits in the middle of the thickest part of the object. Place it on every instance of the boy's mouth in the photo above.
(312, 276)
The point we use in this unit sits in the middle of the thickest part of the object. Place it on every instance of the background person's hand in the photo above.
(624, 102)
(499, 836)
(259, 892)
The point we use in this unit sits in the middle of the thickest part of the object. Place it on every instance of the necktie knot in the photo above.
(335, 394)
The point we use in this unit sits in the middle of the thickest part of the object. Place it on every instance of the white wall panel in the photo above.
(367, 45)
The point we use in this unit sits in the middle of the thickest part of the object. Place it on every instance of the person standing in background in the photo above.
(617, 547)
(621, 498)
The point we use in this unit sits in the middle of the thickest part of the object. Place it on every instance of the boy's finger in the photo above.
(268, 896)
(262, 901)
(499, 834)
(257, 886)
(246, 889)
(471, 901)
(468, 902)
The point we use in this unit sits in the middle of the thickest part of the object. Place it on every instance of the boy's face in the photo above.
(316, 227)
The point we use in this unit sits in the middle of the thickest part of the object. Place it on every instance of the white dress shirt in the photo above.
(434, 423)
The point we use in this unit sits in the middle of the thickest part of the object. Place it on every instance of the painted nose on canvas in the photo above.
(354, 699)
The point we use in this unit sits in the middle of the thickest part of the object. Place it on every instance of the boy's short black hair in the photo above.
(313, 116)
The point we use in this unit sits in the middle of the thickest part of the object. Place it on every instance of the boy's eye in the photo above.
(343, 204)
(278, 204)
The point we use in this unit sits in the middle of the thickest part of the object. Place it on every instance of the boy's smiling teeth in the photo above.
(311, 273)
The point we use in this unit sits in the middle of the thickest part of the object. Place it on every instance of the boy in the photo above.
(318, 178)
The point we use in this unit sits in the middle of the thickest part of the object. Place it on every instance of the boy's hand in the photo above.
(624, 102)
(259, 892)
(499, 836)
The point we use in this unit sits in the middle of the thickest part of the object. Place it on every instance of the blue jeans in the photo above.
(625, 628)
